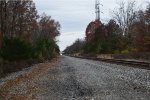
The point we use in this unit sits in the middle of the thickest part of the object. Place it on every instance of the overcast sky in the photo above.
(75, 15)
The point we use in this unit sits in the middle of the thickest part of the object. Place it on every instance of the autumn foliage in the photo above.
(127, 32)
(25, 35)
(19, 20)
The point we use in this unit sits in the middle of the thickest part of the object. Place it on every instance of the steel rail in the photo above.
(137, 63)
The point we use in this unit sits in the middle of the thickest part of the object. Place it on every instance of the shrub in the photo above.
(89, 48)
(116, 52)
(126, 51)
(14, 49)
(45, 48)
(134, 50)
(96, 48)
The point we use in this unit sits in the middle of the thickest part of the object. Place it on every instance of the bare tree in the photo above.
(141, 30)
(3, 19)
(125, 16)
(17, 18)
(49, 27)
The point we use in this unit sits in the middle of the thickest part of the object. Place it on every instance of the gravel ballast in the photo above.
(79, 79)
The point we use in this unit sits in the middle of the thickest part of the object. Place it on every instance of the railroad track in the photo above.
(118, 61)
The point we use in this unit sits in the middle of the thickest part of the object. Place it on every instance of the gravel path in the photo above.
(79, 79)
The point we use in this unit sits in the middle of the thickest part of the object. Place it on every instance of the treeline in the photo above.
(128, 31)
(75, 47)
(25, 35)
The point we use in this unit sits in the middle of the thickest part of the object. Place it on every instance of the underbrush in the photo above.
(9, 67)
(17, 54)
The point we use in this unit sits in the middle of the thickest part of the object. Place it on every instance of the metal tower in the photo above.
(97, 9)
